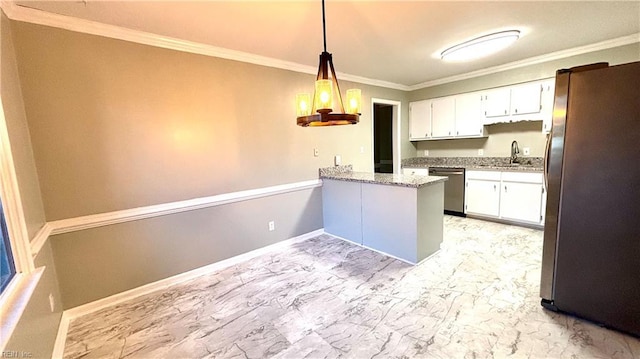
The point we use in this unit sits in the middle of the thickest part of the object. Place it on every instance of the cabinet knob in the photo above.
(505, 112)
(494, 187)
(516, 110)
(449, 133)
(457, 132)
(505, 188)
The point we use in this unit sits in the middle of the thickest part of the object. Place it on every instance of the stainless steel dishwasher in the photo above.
(453, 189)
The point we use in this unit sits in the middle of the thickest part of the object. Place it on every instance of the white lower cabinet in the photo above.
(482, 193)
(512, 196)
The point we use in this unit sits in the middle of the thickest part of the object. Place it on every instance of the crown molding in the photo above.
(39, 17)
(608, 44)
(20, 13)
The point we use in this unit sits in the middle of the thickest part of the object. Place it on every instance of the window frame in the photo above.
(6, 243)
(13, 212)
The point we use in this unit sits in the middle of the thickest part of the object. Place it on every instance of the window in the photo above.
(7, 266)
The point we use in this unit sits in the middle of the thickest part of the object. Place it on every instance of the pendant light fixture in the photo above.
(318, 111)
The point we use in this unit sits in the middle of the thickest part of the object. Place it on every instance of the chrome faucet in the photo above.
(514, 152)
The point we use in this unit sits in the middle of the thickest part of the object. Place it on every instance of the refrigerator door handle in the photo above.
(546, 159)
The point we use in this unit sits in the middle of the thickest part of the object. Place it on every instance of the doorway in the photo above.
(385, 136)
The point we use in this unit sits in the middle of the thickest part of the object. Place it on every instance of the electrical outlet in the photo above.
(426, 153)
(52, 302)
(272, 226)
(480, 152)
(526, 151)
(316, 152)
(337, 160)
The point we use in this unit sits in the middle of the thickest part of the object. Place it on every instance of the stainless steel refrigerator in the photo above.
(591, 251)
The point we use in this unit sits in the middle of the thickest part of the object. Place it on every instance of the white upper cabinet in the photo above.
(443, 117)
(526, 98)
(548, 97)
(469, 119)
(497, 102)
(420, 120)
(531, 101)
(465, 115)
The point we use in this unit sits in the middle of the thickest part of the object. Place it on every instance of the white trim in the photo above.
(40, 17)
(12, 202)
(73, 313)
(40, 239)
(608, 44)
(397, 127)
(104, 219)
(61, 337)
(14, 301)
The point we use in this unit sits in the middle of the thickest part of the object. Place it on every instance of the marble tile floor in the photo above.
(326, 298)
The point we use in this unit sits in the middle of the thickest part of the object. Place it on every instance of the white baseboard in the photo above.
(61, 338)
(73, 313)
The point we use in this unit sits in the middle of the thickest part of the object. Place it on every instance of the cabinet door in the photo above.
(482, 197)
(497, 102)
(469, 115)
(526, 98)
(548, 97)
(443, 111)
(419, 120)
(521, 201)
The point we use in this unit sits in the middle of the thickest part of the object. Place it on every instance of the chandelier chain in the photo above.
(324, 29)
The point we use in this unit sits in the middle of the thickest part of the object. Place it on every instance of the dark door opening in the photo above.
(383, 138)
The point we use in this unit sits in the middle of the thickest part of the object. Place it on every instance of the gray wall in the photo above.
(117, 125)
(103, 261)
(19, 135)
(37, 328)
(500, 136)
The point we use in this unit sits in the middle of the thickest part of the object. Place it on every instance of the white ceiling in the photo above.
(392, 41)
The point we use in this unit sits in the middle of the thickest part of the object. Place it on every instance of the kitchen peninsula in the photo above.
(399, 215)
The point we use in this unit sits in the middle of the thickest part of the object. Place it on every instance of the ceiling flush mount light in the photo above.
(319, 111)
(481, 46)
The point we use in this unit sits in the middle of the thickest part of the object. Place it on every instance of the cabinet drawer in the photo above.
(483, 175)
(415, 171)
(523, 177)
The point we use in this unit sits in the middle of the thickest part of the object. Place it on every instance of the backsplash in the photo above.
(329, 171)
(469, 161)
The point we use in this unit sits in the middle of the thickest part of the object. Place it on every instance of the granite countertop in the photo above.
(529, 164)
(346, 173)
